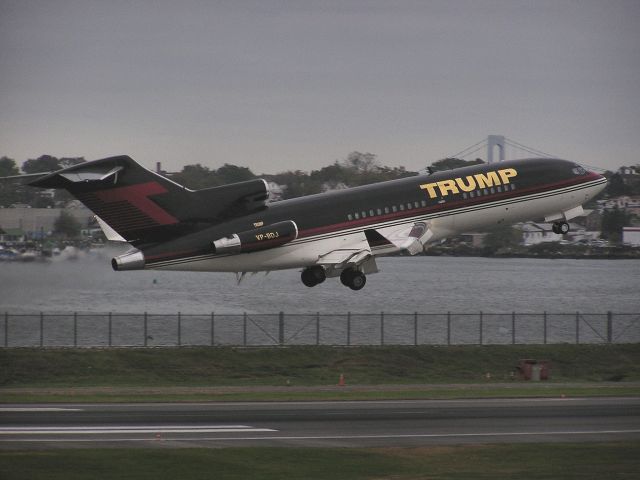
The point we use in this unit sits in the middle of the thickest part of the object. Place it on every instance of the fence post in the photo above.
(281, 328)
(348, 328)
(6, 329)
(513, 328)
(481, 327)
(545, 327)
(244, 329)
(448, 328)
(317, 328)
(381, 328)
(110, 329)
(145, 329)
(415, 328)
(179, 329)
(609, 327)
(41, 330)
(75, 329)
(213, 329)
(577, 328)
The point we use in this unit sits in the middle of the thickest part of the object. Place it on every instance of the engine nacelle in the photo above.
(132, 260)
(263, 238)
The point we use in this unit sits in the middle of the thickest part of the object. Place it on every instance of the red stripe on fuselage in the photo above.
(443, 207)
(407, 213)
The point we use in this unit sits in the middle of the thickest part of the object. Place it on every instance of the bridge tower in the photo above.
(492, 142)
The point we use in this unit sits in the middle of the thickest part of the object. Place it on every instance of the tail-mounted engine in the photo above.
(262, 238)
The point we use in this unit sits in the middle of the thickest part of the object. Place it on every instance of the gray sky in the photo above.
(279, 85)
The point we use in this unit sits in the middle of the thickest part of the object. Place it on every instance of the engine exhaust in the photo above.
(132, 260)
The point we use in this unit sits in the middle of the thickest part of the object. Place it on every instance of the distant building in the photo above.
(631, 236)
(9, 235)
(475, 239)
(623, 202)
(627, 171)
(38, 222)
(534, 233)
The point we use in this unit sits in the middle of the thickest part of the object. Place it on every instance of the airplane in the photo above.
(233, 228)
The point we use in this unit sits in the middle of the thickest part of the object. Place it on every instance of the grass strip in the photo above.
(310, 365)
(584, 461)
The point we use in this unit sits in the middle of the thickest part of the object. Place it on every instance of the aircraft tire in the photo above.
(308, 278)
(345, 277)
(313, 276)
(554, 228)
(358, 281)
(563, 228)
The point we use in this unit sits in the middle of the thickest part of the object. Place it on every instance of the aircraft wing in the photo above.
(357, 254)
(344, 257)
(411, 239)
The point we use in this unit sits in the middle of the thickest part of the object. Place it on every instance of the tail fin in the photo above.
(143, 206)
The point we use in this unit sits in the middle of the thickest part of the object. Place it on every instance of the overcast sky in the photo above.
(279, 85)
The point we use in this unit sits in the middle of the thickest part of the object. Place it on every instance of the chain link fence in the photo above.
(350, 329)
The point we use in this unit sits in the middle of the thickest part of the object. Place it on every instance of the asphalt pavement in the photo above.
(323, 424)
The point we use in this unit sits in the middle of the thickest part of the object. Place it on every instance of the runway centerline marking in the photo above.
(339, 437)
(111, 430)
(38, 409)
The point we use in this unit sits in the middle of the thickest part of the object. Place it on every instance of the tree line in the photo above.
(356, 169)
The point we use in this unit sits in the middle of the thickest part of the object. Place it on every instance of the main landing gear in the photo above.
(354, 279)
(350, 277)
(313, 276)
(561, 228)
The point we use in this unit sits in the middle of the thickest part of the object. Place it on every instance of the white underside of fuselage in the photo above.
(306, 251)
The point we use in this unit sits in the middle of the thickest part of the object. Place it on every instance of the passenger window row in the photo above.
(411, 205)
(386, 210)
(489, 191)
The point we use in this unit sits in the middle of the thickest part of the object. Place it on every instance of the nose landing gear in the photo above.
(561, 228)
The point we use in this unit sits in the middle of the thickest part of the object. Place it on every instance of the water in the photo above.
(404, 285)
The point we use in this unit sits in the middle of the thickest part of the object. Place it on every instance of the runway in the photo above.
(320, 424)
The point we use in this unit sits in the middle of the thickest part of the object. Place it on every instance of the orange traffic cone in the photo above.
(341, 382)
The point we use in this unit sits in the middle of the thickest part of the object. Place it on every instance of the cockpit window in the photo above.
(578, 170)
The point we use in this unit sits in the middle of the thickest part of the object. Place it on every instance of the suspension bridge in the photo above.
(498, 148)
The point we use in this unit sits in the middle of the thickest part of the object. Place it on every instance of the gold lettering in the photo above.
(507, 173)
(489, 180)
(447, 186)
(430, 188)
(466, 188)
(470, 183)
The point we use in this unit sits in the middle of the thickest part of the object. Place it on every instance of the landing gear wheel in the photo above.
(353, 279)
(358, 281)
(561, 228)
(313, 276)
(345, 277)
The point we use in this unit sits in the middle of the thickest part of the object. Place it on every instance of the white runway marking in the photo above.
(130, 429)
(339, 437)
(39, 409)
